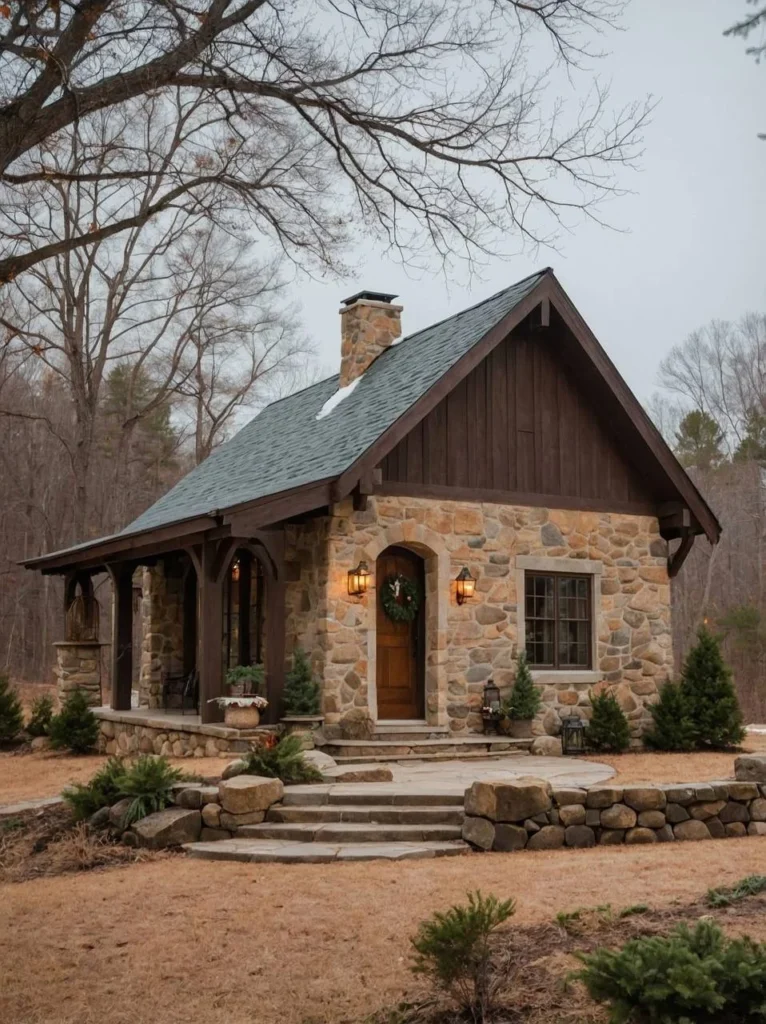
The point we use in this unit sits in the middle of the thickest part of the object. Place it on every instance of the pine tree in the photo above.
(301, 689)
(698, 440)
(75, 728)
(711, 701)
(671, 727)
(525, 700)
(11, 715)
(608, 729)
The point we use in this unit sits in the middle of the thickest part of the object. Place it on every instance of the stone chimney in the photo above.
(369, 323)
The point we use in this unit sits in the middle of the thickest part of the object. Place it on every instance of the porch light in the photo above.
(358, 580)
(465, 584)
(235, 570)
(572, 735)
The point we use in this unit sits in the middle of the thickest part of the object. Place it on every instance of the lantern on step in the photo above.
(491, 696)
(465, 584)
(358, 580)
(572, 735)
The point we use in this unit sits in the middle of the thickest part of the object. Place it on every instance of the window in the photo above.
(557, 611)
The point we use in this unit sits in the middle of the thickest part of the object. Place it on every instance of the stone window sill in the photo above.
(546, 675)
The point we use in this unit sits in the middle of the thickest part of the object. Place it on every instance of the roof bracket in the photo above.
(677, 558)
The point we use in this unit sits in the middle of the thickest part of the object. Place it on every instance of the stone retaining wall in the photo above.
(173, 740)
(529, 813)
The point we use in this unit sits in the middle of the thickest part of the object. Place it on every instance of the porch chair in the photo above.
(180, 689)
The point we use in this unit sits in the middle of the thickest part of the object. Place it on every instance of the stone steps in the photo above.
(377, 814)
(275, 851)
(372, 794)
(406, 748)
(440, 756)
(350, 832)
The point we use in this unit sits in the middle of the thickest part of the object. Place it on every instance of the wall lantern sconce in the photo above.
(465, 584)
(358, 580)
(572, 735)
(235, 570)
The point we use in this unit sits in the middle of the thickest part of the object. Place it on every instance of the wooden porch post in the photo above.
(275, 625)
(210, 663)
(122, 635)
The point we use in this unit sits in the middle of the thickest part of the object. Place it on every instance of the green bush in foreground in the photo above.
(671, 727)
(711, 700)
(41, 713)
(284, 760)
(453, 950)
(148, 781)
(103, 790)
(608, 729)
(11, 715)
(75, 728)
(690, 976)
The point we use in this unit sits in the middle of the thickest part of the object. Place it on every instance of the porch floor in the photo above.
(173, 721)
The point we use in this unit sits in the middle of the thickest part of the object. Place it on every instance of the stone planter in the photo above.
(241, 718)
(305, 726)
(519, 728)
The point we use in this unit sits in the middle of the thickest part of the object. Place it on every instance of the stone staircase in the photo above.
(362, 821)
(422, 743)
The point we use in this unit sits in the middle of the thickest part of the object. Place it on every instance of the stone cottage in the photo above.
(486, 485)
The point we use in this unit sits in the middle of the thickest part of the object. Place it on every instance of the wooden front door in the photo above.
(400, 668)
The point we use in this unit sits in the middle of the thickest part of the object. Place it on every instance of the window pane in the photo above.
(558, 625)
(540, 607)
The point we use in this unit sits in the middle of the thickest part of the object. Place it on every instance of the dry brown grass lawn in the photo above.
(195, 942)
(657, 767)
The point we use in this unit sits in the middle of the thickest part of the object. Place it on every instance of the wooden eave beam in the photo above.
(245, 520)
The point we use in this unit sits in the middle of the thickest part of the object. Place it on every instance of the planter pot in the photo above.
(520, 728)
(241, 718)
(305, 726)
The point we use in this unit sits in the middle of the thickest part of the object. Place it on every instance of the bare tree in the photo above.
(426, 122)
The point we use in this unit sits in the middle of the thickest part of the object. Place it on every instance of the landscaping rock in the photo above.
(592, 817)
(129, 838)
(635, 836)
(319, 760)
(572, 814)
(691, 830)
(735, 829)
(233, 768)
(618, 816)
(665, 834)
(707, 810)
(211, 815)
(742, 790)
(245, 793)
(704, 793)
(118, 811)
(682, 795)
(233, 821)
(509, 837)
(531, 826)
(377, 774)
(189, 797)
(546, 746)
(562, 797)
(100, 819)
(756, 828)
(579, 836)
(550, 837)
(612, 836)
(734, 812)
(651, 819)
(758, 810)
(510, 801)
(675, 813)
(479, 832)
(481, 800)
(716, 828)
(603, 796)
(212, 835)
(40, 743)
(642, 798)
(172, 827)
(750, 768)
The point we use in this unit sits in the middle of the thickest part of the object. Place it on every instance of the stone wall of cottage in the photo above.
(469, 644)
(162, 632)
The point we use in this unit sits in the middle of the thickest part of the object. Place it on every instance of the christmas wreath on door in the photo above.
(400, 597)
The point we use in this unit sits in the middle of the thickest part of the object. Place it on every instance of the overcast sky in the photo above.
(691, 247)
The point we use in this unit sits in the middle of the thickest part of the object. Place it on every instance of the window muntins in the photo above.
(558, 610)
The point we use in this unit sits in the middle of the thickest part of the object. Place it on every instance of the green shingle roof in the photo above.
(286, 445)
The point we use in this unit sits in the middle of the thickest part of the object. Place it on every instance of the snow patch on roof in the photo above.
(334, 400)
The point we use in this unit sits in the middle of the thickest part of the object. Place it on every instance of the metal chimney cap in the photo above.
(371, 296)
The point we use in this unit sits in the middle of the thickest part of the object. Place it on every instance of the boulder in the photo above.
(758, 810)
(716, 828)
(208, 795)
(319, 760)
(172, 827)
(635, 836)
(734, 812)
(618, 816)
(211, 815)
(675, 813)
(563, 796)
(512, 801)
(509, 837)
(579, 836)
(531, 826)
(750, 768)
(40, 743)
(592, 817)
(709, 809)
(100, 819)
(691, 830)
(612, 836)
(742, 790)
(756, 828)
(479, 832)
(233, 821)
(682, 795)
(550, 837)
(212, 835)
(245, 793)
(188, 796)
(603, 796)
(234, 768)
(546, 746)
(651, 819)
(665, 834)
(644, 798)
(736, 829)
(118, 811)
(572, 814)
(378, 773)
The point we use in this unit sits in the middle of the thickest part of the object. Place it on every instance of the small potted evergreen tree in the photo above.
(523, 704)
(302, 697)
